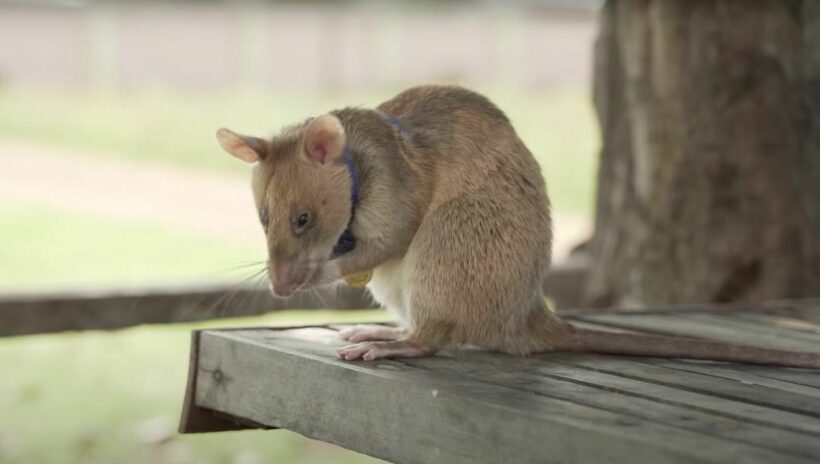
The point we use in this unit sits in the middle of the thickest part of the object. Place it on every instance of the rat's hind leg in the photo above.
(365, 333)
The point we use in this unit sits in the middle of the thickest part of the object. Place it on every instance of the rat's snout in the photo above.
(287, 278)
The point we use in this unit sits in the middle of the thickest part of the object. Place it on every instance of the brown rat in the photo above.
(434, 193)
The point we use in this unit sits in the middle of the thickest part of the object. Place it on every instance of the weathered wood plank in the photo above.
(412, 412)
(780, 321)
(744, 402)
(25, 314)
(628, 397)
(701, 326)
(759, 328)
(804, 309)
(726, 372)
(198, 420)
(727, 328)
(796, 376)
(756, 412)
(95, 310)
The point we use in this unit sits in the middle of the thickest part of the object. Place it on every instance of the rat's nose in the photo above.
(285, 289)
(285, 280)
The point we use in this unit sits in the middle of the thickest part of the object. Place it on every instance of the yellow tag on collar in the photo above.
(359, 280)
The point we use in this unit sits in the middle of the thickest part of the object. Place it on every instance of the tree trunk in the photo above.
(709, 177)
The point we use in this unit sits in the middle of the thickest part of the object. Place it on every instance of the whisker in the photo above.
(246, 265)
(319, 297)
(237, 267)
(217, 308)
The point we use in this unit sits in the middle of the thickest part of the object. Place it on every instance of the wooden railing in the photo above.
(27, 314)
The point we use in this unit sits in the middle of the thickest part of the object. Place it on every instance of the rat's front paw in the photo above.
(364, 333)
(357, 351)
(369, 351)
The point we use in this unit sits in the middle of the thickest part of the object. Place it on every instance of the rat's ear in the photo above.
(246, 148)
(324, 139)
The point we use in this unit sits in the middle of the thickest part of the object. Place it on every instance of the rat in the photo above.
(434, 201)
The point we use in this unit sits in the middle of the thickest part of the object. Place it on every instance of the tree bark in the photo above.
(709, 176)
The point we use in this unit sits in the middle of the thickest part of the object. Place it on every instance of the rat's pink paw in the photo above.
(353, 352)
(363, 333)
(369, 351)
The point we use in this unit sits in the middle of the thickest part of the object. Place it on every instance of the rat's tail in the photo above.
(631, 344)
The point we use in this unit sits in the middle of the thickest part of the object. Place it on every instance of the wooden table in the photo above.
(475, 407)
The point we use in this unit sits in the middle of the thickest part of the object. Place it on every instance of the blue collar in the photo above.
(347, 241)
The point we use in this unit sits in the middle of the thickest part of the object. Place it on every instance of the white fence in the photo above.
(212, 45)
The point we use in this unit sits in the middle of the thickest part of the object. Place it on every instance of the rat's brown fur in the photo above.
(453, 219)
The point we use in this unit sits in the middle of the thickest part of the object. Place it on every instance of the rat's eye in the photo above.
(263, 218)
(301, 221)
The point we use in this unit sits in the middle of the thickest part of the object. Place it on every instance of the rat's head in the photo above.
(302, 191)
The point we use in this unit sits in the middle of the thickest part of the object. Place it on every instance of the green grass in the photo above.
(557, 125)
(49, 248)
(93, 397)
(90, 397)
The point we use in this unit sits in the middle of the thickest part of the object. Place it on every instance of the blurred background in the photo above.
(110, 176)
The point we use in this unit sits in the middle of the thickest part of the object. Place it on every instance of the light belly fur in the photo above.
(391, 286)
